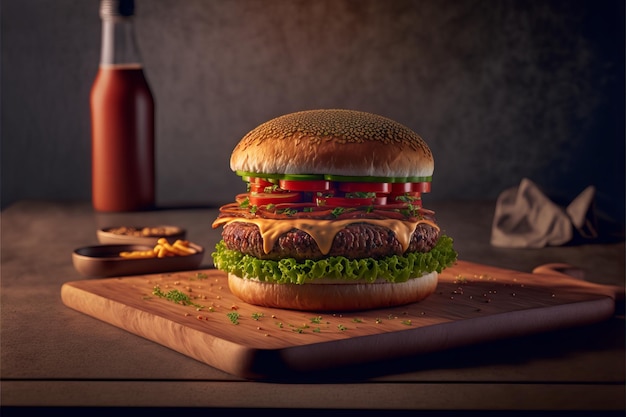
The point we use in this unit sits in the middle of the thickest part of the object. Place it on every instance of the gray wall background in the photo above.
(500, 89)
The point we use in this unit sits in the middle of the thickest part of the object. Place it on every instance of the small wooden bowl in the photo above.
(105, 261)
(139, 235)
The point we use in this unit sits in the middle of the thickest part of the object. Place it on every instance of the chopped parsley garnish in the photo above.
(337, 211)
(233, 316)
(175, 296)
(288, 211)
(299, 329)
(360, 194)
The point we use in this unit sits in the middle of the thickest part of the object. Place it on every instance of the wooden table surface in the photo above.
(53, 356)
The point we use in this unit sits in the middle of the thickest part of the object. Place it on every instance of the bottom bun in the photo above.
(333, 297)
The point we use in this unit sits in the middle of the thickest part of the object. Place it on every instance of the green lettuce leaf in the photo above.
(393, 268)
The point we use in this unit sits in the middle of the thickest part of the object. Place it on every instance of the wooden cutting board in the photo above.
(473, 303)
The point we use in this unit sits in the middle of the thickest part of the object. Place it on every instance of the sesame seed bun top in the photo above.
(335, 142)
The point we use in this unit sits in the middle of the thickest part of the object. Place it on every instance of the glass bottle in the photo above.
(122, 118)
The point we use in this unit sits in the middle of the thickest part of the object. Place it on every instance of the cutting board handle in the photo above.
(560, 269)
(565, 270)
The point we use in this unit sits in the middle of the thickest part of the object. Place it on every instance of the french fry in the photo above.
(162, 249)
(183, 245)
(138, 254)
(170, 248)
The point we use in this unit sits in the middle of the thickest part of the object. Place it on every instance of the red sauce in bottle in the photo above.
(122, 114)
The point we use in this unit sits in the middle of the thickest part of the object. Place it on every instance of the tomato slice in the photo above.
(258, 185)
(349, 201)
(364, 187)
(401, 187)
(401, 201)
(422, 187)
(391, 206)
(305, 185)
(261, 199)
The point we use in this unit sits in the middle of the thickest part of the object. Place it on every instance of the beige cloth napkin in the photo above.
(526, 218)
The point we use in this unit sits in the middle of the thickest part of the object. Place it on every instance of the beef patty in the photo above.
(357, 240)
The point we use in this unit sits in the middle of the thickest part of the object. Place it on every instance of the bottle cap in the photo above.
(117, 8)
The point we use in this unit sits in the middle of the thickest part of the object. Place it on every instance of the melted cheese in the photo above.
(324, 231)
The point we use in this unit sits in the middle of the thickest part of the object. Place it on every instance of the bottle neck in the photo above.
(119, 46)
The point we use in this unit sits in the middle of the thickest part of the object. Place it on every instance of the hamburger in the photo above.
(332, 217)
